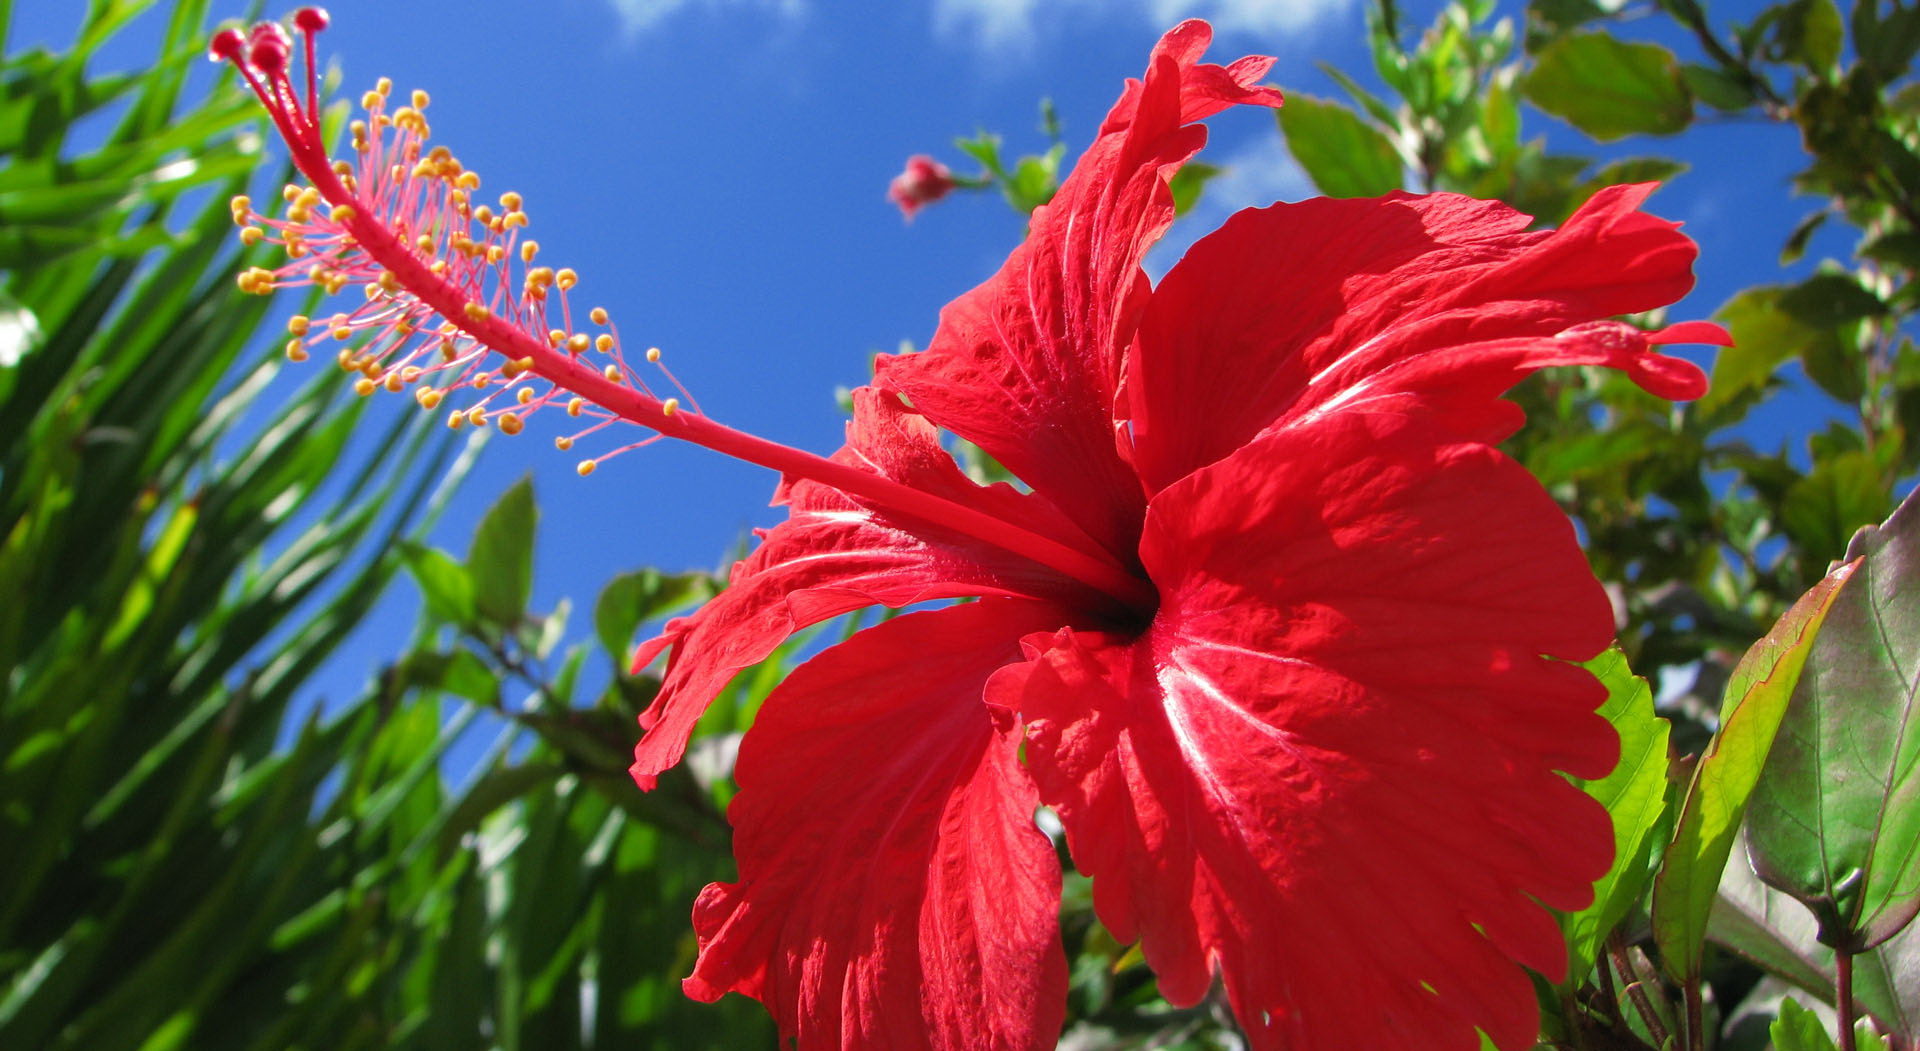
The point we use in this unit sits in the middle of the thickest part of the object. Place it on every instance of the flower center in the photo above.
(442, 302)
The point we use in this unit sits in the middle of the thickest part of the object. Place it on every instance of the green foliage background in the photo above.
(187, 864)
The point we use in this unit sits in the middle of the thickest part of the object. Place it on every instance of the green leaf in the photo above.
(501, 558)
(1821, 510)
(1343, 154)
(1187, 184)
(1830, 299)
(1900, 248)
(1836, 816)
(632, 599)
(1635, 795)
(1765, 336)
(1798, 1029)
(1716, 89)
(1716, 800)
(445, 584)
(1609, 88)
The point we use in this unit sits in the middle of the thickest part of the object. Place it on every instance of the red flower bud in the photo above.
(924, 181)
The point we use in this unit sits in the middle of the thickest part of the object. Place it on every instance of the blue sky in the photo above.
(716, 170)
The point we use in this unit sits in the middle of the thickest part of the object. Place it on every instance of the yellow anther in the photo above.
(335, 283)
(342, 333)
(509, 423)
(347, 183)
(477, 416)
(384, 86)
(566, 279)
(513, 221)
(525, 395)
(299, 213)
(296, 351)
(653, 353)
(252, 235)
(422, 170)
(358, 128)
(476, 313)
(528, 250)
(481, 380)
(289, 192)
(428, 397)
(455, 419)
(242, 207)
(423, 243)
(395, 383)
(467, 180)
(611, 372)
(563, 443)
(603, 343)
(670, 406)
(299, 325)
(437, 267)
(370, 101)
(364, 386)
(576, 406)
(512, 369)
(308, 197)
(578, 343)
(342, 168)
(585, 468)
(410, 374)
(511, 201)
(448, 351)
(540, 275)
(495, 253)
(343, 214)
(555, 337)
(420, 99)
(497, 225)
(388, 282)
(483, 214)
(370, 368)
(346, 360)
(599, 315)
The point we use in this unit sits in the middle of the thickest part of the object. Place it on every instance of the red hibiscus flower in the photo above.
(1275, 630)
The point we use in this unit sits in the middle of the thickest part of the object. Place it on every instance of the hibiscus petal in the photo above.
(1027, 364)
(894, 891)
(1327, 769)
(834, 555)
(1441, 300)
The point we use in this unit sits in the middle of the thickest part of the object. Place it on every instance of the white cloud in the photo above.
(1001, 25)
(638, 16)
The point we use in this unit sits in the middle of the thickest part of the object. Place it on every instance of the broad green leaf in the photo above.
(1822, 509)
(1635, 795)
(1609, 88)
(1824, 300)
(1798, 1029)
(1765, 336)
(500, 561)
(445, 584)
(1188, 183)
(1836, 815)
(1343, 154)
(632, 599)
(1716, 800)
